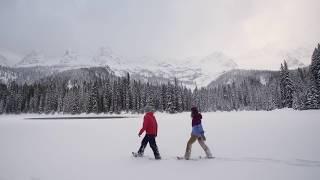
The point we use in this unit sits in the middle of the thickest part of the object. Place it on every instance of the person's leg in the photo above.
(189, 146)
(205, 147)
(154, 147)
(144, 143)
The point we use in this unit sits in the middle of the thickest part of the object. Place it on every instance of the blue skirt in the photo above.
(197, 130)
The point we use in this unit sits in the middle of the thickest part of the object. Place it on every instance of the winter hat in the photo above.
(194, 110)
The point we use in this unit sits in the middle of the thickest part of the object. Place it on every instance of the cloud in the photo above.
(166, 28)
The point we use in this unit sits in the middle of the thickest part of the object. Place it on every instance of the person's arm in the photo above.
(144, 126)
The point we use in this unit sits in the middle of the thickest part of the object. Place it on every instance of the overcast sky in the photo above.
(160, 28)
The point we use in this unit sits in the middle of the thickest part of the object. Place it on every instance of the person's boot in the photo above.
(157, 157)
(156, 153)
(206, 149)
(140, 152)
(187, 155)
(208, 153)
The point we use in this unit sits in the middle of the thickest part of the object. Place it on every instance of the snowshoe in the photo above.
(135, 154)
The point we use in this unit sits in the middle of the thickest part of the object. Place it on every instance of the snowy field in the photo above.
(282, 144)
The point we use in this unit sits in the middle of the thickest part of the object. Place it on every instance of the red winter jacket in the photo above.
(149, 124)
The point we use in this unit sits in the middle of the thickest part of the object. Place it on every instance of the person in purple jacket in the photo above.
(197, 134)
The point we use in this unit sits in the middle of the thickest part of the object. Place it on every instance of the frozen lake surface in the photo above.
(281, 144)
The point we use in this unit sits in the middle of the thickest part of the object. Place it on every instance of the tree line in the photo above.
(112, 95)
(297, 89)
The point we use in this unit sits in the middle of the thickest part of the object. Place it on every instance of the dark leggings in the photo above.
(151, 139)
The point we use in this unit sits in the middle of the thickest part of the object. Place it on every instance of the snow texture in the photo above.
(274, 145)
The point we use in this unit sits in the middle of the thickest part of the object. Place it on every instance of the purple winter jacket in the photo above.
(196, 120)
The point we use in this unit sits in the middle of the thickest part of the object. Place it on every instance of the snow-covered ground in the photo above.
(282, 144)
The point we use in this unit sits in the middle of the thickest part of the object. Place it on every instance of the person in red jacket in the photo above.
(150, 126)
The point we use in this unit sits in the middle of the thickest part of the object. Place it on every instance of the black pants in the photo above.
(151, 139)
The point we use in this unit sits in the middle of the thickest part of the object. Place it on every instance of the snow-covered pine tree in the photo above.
(272, 95)
(115, 98)
(2, 106)
(163, 98)
(180, 100)
(315, 64)
(67, 101)
(289, 88)
(234, 97)
(94, 99)
(186, 99)
(119, 96)
(195, 98)
(286, 86)
(25, 91)
(3, 94)
(48, 102)
(34, 101)
(296, 101)
(75, 101)
(51, 99)
(312, 98)
(282, 86)
(60, 104)
(128, 99)
(19, 99)
(128, 94)
(149, 95)
(142, 100)
(177, 96)
(11, 104)
(134, 94)
(315, 71)
(86, 97)
(42, 102)
(170, 106)
(107, 97)
(203, 99)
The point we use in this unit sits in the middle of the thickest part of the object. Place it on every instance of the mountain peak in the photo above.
(105, 51)
(34, 58)
(106, 56)
(68, 58)
(219, 58)
(3, 61)
(294, 63)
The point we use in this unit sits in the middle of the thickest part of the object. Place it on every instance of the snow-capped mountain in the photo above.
(270, 58)
(3, 61)
(70, 58)
(192, 71)
(298, 57)
(212, 66)
(219, 59)
(106, 56)
(238, 76)
(78, 76)
(7, 75)
(32, 59)
(9, 58)
(294, 63)
(27, 75)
